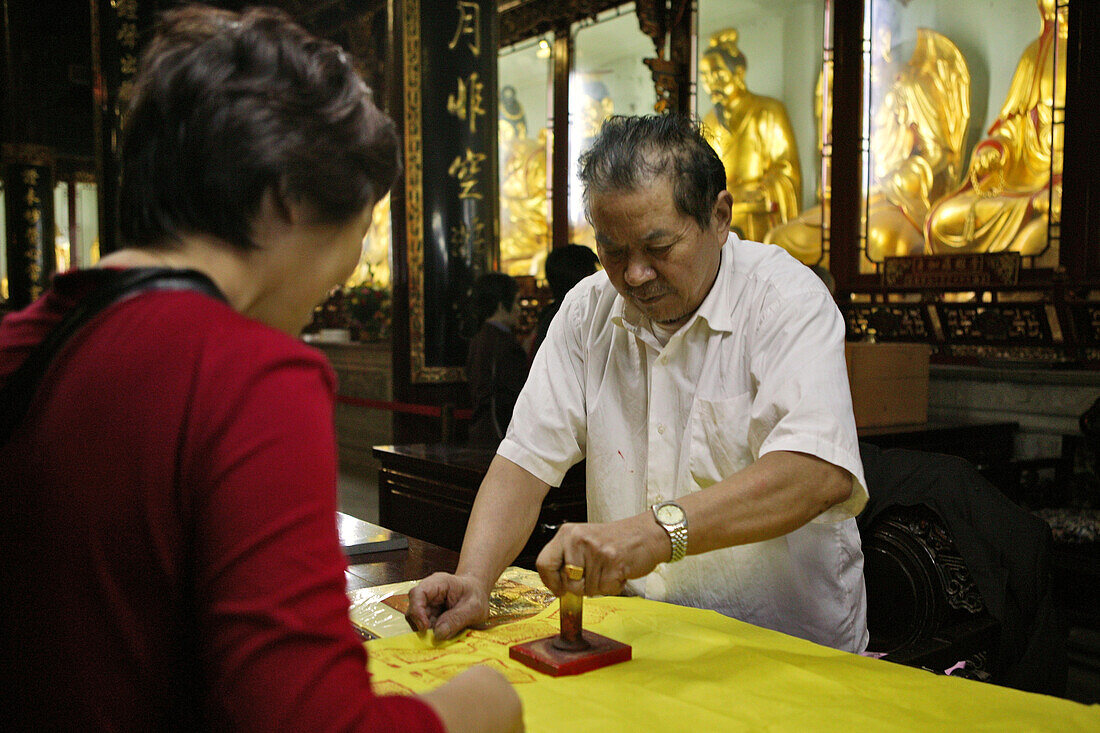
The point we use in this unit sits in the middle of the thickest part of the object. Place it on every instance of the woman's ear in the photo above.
(277, 202)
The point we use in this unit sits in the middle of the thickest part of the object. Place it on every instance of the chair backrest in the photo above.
(931, 523)
(917, 583)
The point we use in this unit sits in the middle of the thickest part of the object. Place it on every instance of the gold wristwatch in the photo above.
(671, 517)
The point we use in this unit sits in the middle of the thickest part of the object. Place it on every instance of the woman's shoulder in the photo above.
(192, 325)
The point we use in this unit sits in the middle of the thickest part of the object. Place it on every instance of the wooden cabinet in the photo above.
(427, 491)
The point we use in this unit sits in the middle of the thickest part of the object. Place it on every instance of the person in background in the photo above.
(565, 267)
(496, 364)
(170, 557)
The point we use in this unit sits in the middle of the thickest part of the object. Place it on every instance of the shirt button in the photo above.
(663, 360)
(661, 429)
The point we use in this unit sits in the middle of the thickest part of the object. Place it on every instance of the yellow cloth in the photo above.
(696, 670)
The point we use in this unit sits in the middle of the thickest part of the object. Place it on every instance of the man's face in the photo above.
(658, 258)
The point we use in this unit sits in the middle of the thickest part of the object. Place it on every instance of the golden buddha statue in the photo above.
(374, 262)
(1006, 198)
(752, 135)
(918, 133)
(524, 213)
(801, 236)
(596, 106)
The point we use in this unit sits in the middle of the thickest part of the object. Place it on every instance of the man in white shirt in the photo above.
(702, 378)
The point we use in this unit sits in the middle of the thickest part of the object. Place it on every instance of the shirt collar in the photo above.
(715, 308)
(711, 310)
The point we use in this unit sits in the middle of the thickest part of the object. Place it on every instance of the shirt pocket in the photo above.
(719, 432)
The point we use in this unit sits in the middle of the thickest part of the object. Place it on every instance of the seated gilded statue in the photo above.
(752, 135)
(918, 135)
(374, 262)
(524, 213)
(1005, 201)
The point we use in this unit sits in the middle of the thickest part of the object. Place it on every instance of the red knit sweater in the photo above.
(168, 544)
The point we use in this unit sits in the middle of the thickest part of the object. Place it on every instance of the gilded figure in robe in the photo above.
(524, 213)
(919, 131)
(1014, 181)
(801, 236)
(752, 135)
(596, 106)
(374, 262)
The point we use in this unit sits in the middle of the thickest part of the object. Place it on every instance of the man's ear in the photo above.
(723, 213)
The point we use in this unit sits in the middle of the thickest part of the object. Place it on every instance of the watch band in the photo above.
(677, 531)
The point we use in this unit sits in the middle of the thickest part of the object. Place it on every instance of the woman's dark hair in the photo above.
(632, 151)
(227, 106)
(491, 290)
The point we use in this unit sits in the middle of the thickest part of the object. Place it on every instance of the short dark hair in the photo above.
(491, 290)
(630, 151)
(566, 266)
(227, 106)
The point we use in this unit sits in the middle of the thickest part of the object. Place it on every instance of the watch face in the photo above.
(670, 514)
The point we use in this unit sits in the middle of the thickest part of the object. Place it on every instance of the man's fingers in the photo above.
(593, 580)
(425, 602)
(421, 619)
(549, 564)
(416, 614)
(453, 621)
(445, 628)
(561, 564)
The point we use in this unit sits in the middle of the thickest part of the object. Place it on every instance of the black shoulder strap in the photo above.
(20, 388)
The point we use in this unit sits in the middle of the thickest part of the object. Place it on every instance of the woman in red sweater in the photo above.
(169, 554)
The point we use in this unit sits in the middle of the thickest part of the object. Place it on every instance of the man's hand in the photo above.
(611, 553)
(448, 604)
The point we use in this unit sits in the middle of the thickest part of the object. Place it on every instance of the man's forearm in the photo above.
(777, 494)
(504, 514)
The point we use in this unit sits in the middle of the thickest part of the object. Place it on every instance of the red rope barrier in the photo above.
(425, 410)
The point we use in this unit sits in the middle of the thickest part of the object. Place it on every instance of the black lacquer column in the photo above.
(120, 28)
(28, 172)
(451, 198)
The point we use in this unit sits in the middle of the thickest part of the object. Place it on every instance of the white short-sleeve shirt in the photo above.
(758, 368)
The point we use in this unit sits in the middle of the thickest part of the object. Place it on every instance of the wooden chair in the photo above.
(923, 607)
(956, 572)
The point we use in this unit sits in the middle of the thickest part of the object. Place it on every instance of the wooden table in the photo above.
(419, 560)
(697, 670)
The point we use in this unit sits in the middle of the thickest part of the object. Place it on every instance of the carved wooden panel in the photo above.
(520, 19)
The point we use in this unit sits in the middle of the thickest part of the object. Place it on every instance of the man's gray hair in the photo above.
(632, 151)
